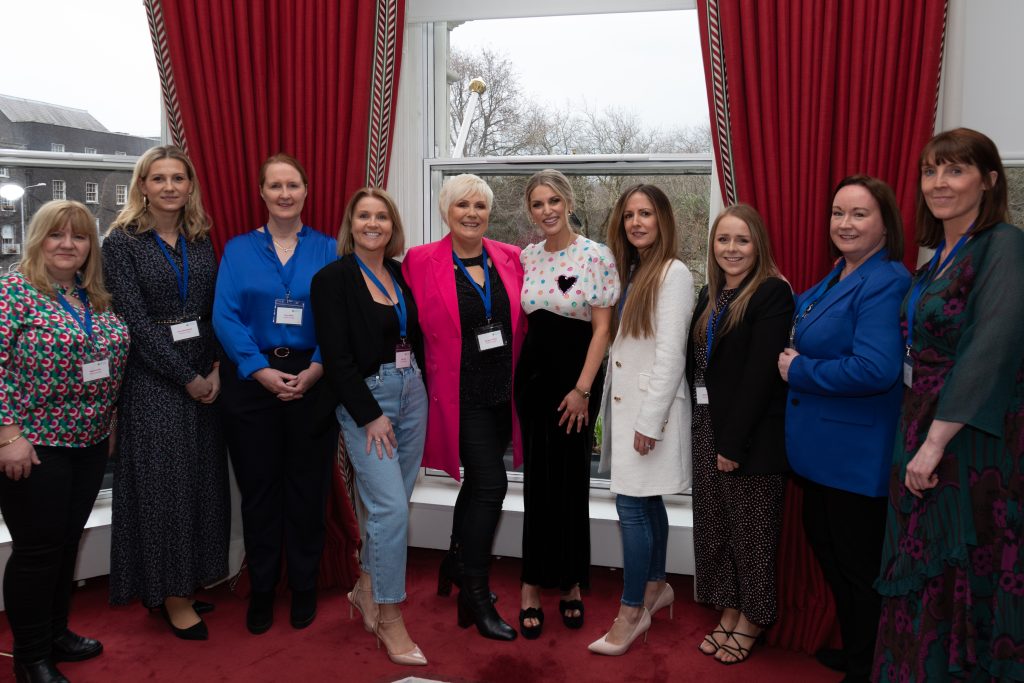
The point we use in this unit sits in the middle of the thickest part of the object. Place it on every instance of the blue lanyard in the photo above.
(400, 310)
(713, 319)
(180, 275)
(815, 298)
(625, 290)
(84, 324)
(926, 279)
(287, 271)
(484, 293)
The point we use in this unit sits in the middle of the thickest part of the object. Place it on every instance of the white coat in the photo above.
(646, 392)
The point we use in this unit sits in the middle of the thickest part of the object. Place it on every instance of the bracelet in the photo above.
(581, 392)
(10, 440)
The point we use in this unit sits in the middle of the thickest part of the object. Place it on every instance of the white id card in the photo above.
(489, 337)
(96, 370)
(288, 312)
(702, 395)
(185, 330)
(403, 356)
(908, 372)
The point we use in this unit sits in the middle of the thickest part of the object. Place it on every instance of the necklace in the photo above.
(281, 246)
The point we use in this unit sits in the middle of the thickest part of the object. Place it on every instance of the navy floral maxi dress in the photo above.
(952, 575)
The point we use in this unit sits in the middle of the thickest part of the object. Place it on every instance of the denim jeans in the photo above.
(644, 525)
(385, 484)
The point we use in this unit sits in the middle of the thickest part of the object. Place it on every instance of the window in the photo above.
(56, 147)
(59, 188)
(120, 154)
(5, 172)
(92, 193)
(6, 204)
(120, 194)
(90, 150)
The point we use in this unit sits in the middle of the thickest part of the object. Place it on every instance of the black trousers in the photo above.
(46, 514)
(845, 531)
(484, 434)
(283, 471)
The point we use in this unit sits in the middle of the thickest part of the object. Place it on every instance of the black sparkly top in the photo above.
(486, 376)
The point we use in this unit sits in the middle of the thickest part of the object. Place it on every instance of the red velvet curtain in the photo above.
(244, 79)
(804, 93)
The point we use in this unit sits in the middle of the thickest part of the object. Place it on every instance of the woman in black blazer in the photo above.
(369, 335)
(739, 327)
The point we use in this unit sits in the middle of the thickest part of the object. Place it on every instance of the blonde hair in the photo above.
(395, 246)
(459, 187)
(53, 216)
(649, 268)
(192, 220)
(558, 183)
(764, 268)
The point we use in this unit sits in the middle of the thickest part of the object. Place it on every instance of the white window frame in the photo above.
(90, 150)
(92, 193)
(120, 154)
(6, 204)
(58, 189)
(57, 147)
(120, 195)
(5, 172)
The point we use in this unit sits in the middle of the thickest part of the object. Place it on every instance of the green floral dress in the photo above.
(952, 575)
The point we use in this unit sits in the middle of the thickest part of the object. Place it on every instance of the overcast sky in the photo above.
(98, 56)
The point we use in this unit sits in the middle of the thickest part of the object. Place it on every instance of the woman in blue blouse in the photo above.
(843, 368)
(263, 319)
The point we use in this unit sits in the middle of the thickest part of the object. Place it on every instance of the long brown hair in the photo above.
(648, 268)
(347, 244)
(192, 220)
(53, 216)
(764, 268)
(963, 146)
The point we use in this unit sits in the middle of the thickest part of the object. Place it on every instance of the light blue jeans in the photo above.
(644, 526)
(385, 484)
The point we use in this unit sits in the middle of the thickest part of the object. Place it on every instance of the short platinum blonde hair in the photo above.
(460, 187)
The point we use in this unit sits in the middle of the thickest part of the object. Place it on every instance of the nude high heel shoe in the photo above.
(603, 647)
(666, 597)
(370, 615)
(413, 657)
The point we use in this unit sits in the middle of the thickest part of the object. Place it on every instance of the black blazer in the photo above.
(746, 393)
(344, 313)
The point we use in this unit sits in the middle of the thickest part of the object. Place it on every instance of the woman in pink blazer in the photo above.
(467, 288)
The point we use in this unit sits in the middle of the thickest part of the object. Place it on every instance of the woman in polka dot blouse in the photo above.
(570, 284)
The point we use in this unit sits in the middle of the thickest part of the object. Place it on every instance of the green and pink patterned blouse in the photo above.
(42, 350)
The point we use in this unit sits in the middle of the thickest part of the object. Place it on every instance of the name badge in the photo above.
(288, 311)
(403, 356)
(702, 395)
(908, 372)
(96, 370)
(185, 330)
(489, 337)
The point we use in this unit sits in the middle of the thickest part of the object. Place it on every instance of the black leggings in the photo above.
(46, 514)
(484, 433)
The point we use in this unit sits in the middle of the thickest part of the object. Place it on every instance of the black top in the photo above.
(387, 322)
(746, 393)
(485, 376)
(352, 340)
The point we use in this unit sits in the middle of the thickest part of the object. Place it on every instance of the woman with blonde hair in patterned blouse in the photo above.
(62, 357)
(569, 286)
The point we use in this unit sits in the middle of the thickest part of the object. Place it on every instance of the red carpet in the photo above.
(139, 647)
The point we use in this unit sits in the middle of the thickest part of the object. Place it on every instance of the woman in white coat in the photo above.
(646, 402)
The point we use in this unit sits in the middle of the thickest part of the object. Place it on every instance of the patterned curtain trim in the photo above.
(942, 60)
(721, 96)
(157, 31)
(385, 47)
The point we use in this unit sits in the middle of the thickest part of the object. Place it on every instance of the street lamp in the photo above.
(12, 192)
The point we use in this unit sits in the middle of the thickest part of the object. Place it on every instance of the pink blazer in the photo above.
(429, 272)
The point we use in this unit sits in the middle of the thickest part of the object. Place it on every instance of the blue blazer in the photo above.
(846, 385)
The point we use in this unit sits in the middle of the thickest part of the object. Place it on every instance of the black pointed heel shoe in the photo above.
(475, 606)
(197, 631)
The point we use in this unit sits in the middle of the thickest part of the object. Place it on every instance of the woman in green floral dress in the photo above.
(952, 576)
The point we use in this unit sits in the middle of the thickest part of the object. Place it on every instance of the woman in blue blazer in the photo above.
(843, 366)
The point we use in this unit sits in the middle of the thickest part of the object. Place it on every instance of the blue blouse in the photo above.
(251, 280)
